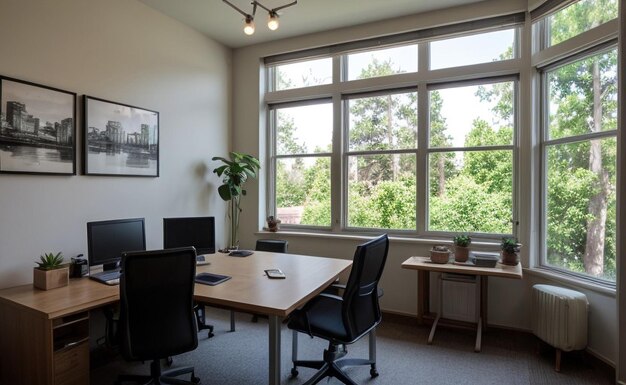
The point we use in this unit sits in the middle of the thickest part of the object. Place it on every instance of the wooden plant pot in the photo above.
(461, 254)
(51, 279)
(511, 259)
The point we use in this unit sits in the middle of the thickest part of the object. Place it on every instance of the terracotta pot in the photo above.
(461, 253)
(510, 259)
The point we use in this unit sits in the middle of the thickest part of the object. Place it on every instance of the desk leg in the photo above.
(484, 299)
(479, 335)
(423, 295)
(274, 349)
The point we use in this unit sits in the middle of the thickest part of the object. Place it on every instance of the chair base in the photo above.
(332, 365)
(157, 377)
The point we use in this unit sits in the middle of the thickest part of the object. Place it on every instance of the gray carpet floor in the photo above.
(403, 357)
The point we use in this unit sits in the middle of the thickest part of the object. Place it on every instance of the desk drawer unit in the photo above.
(71, 365)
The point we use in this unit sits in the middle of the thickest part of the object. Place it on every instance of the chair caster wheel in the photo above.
(210, 335)
(373, 372)
(169, 361)
(294, 372)
(195, 380)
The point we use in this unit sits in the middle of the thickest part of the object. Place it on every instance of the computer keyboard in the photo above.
(108, 277)
(201, 260)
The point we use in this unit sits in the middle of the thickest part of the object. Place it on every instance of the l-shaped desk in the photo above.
(44, 335)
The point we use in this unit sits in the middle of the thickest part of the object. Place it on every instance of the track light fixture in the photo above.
(272, 20)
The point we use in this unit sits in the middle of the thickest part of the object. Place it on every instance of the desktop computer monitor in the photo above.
(198, 232)
(107, 240)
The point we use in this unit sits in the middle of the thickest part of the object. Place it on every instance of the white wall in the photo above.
(124, 51)
(509, 300)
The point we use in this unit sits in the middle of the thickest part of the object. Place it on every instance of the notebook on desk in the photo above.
(211, 279)
(109, 277)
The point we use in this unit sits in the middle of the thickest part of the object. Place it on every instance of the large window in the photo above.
(471, 158)
(390, 147)
(579, 129)
(382, 138)
(303, 135)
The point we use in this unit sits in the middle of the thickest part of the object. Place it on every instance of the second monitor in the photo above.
(198, 232)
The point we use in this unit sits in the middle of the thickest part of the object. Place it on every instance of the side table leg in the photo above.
(479, 335)
(433, 329)
(423, 295)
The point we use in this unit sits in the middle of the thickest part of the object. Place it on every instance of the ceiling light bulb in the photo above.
(248, 29)
(272, 22)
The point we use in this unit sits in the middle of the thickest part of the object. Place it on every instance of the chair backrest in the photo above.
(156, 303)
(361, 311)
(275, 245)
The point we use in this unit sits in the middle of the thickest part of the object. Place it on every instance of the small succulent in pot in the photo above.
(461, 247)
(510, 245)
(510, 248)
(50, 261)
(462, 240)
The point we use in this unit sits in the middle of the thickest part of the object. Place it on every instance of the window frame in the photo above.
(341, 90)
(274, 157)
(546, 58)
(513, 147)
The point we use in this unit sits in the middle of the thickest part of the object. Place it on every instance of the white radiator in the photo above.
(460, 293)
(559, 317)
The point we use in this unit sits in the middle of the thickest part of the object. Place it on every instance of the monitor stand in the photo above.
(111, 266)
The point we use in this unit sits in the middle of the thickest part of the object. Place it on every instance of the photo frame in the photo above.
(37, 128)
(119, 140)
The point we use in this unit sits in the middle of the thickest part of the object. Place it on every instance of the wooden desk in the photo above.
(44, 335)
(424, 267)
(251, 291)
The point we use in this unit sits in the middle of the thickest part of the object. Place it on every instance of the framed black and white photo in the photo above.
(37, 129)
(120, 139)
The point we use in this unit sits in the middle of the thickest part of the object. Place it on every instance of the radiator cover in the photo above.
(559, 316)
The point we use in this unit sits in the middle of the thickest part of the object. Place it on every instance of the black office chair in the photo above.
(344, 320)
(157, 320)
(273, 245)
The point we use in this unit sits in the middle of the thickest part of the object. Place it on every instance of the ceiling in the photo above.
(220, 22)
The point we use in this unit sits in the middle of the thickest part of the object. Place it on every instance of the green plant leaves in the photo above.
(50, 261)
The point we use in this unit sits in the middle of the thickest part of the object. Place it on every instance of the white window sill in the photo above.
(365, 237)
(571, 281)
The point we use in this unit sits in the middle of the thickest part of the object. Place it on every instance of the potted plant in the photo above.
(50, 272)
(461, 247)
(273, 223)
(510, 248)
(234, 173)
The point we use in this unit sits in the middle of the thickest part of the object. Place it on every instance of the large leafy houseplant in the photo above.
(234, 173)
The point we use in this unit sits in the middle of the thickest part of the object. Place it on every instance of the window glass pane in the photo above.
(382, 62)
(474, 49)
(303, 191)
(381, 191)
(304, 129)
(387, 122)
(578, 18)
(583, 96)
(303, 74)
(471, 191)
(477, 115)
(581, 223)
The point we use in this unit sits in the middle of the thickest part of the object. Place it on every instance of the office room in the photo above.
(215, 89)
